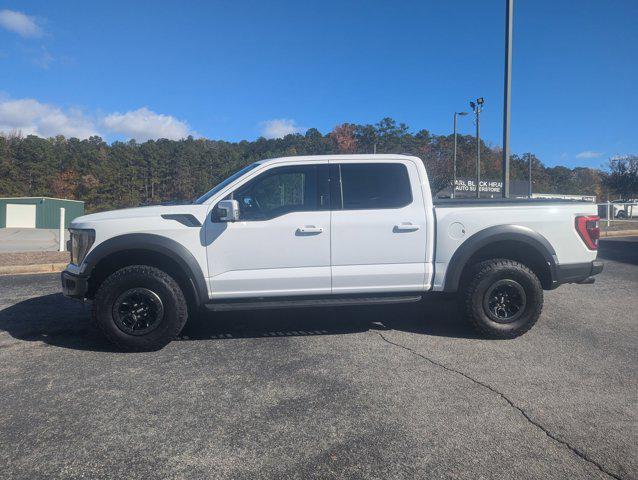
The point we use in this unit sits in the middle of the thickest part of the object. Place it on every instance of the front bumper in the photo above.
(577, 272)
(74, 286)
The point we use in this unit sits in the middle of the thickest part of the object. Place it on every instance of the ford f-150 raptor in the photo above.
(325, 231)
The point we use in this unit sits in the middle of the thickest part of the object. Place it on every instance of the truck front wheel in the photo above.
(140, 308)
(503, 298)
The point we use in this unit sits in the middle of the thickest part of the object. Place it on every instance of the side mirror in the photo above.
(228, 210)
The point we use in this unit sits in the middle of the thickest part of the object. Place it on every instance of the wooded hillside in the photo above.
(130, 174)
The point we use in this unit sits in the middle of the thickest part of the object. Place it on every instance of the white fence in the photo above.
(618, 212)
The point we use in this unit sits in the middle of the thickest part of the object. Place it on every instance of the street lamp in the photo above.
(477, 108)
(456, 115)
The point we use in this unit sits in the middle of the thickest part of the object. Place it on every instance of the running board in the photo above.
(309, 302)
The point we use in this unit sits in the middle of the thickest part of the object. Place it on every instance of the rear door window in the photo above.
(375, 186)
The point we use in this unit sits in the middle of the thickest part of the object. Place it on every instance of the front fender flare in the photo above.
(155, 243)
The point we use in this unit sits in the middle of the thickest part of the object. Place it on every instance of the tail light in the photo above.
(589, 231)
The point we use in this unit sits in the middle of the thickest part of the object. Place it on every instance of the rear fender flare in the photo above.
(493, 234)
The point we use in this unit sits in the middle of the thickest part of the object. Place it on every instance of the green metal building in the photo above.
(38, 212)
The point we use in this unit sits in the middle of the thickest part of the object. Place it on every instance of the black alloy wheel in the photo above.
(138, 311)
(505, 301)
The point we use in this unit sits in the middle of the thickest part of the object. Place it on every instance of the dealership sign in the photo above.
(469, 185)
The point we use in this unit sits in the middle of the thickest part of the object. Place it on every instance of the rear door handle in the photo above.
(309, 229)
(406, 227)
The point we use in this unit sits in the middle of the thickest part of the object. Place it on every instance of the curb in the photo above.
(619, 233)
(36, 268)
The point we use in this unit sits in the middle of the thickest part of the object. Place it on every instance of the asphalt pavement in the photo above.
(385, 392)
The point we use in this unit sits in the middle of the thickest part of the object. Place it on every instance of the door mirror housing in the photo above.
(228, 211)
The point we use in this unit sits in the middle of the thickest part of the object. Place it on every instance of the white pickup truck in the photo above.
(326, 231)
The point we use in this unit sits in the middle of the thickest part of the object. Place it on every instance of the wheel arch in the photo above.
(514, 242)
(147, 249)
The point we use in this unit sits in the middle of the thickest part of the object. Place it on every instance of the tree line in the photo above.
(126, 174)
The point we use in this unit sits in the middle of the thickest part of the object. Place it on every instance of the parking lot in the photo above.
(384, 392)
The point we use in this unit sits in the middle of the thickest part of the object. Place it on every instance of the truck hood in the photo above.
(140, 212)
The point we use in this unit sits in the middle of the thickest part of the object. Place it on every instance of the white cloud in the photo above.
(17, 22)
(143, 124)
(589, 154)
(30, 117)
(279, 127)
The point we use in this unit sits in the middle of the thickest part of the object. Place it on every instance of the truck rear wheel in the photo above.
(503, 298)
(140, 308)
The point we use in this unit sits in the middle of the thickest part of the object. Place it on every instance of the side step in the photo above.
(263, 304)
(587, 281)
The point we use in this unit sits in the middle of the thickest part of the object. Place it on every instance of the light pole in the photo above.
(477, 108)
(456, 114)
(509, 24)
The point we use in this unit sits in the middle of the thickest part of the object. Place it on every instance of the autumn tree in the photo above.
(343, 137)
(64, 184)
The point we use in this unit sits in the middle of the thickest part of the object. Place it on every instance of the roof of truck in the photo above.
(364, 156)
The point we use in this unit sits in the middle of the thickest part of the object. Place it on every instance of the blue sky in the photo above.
(237, 70)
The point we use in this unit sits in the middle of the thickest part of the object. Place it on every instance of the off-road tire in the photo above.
(486, 274)
(175, 311)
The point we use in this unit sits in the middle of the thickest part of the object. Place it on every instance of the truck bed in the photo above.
(457, 220)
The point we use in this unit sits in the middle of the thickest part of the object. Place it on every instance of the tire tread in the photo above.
(481, 271)
(141, 343)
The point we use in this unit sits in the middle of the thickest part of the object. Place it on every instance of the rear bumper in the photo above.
(74, 286)
(577, 272)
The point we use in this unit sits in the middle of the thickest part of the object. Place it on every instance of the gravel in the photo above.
(33, 258)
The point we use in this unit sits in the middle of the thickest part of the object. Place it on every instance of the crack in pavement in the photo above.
(573, 449)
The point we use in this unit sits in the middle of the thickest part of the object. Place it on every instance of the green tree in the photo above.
(622, 177)
(126, 174)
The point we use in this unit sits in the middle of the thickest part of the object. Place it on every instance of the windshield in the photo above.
(221, 185)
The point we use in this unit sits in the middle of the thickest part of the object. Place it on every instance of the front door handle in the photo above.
(309, 230)
(406, 227)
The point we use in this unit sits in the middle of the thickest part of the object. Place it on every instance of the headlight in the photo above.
(81, 243)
